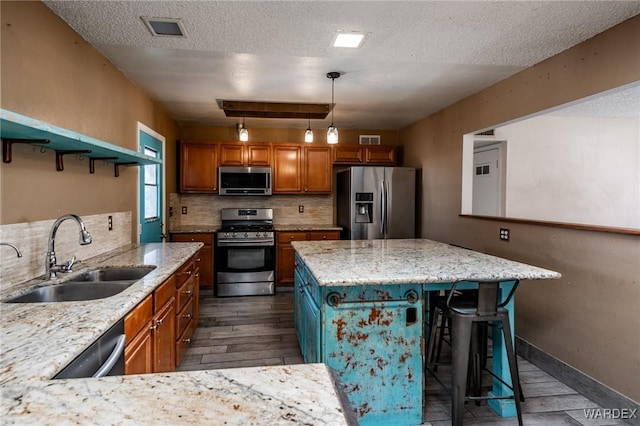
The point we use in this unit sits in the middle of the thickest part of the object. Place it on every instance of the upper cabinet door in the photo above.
(347, 154)
(198, 167)
(241, 154)
(231, 155)
(380, 154)
(259, 155)
(287, 168)
(317, 169)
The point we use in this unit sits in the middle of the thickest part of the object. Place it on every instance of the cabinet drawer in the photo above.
(163, 293)
(185, 317)
(207, 239)
(185, 272)
(138, 317)
(324, 235)
(183, 342)
(287, 237)
(185, 293)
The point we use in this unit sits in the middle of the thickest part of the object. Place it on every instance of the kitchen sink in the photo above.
(90, 285)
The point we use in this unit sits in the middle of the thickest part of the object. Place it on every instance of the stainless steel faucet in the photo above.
(50, 261)
(13, 247)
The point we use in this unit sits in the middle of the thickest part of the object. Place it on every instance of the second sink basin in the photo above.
(114, 274)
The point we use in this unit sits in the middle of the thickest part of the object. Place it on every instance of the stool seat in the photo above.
(467, 317)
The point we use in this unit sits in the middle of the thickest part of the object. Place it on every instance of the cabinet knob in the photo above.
(198, 260)
(187, 292)
(306, 189)
(160, 321)
(153, 328)
(186, 340)
(187, 316)
(324, 237)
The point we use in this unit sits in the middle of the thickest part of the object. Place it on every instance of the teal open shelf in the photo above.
(14, 126)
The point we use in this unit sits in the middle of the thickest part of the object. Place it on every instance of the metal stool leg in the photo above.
(513, 366)
(437, 314)
(461, 340)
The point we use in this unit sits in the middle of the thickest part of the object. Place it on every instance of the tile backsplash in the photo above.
(204, 209)
(31, 239)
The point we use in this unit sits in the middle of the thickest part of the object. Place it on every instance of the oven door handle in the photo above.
(113, 358)
(245, 243)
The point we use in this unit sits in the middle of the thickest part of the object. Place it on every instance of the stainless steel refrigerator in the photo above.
(376, 202)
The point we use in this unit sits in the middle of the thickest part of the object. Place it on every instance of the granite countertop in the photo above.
(407, 261)
(39, 339)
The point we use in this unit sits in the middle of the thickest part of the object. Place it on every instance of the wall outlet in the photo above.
(184, 209)
(300, 209)
(110, 222)
(170, 211)
(504, 234)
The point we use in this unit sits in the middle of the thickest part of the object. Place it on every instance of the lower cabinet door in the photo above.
(138, 355)
(164, 338)
(311, 329)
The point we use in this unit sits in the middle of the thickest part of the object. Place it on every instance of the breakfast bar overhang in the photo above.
(359, 308)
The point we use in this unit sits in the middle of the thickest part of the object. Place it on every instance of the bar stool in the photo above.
(466, 337)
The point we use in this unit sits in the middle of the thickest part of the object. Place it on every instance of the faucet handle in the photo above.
(68, 267)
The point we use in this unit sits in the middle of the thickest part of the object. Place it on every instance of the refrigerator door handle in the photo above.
(386, 208)
(382, 208)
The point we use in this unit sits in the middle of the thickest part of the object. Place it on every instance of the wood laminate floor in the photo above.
(258, 330)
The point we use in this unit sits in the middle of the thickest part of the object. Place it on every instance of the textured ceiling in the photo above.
(420, 56)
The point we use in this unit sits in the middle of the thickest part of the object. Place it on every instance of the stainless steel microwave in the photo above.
(244, 180)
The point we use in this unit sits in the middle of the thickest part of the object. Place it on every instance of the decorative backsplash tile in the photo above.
(31, 239)
(204, 210)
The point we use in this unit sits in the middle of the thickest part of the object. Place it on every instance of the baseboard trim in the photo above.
(586, 385)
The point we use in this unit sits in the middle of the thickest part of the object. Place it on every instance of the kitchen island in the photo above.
(359, 308)
(39, 339)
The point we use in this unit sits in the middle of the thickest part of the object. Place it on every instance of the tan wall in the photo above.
(269, 134)
(589, 319)
(50, 73)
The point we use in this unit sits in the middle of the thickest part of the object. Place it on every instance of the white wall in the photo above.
(574, 169)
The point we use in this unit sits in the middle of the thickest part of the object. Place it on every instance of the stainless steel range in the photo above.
(245, 253)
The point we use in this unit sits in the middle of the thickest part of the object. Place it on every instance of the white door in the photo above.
(486, 182)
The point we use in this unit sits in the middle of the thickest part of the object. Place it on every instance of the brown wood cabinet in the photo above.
(205, 254)
(285, 254)
(241, 154)
(187, 308)
(365, 154)
(298, 169)
(198, 167)
(150, 332)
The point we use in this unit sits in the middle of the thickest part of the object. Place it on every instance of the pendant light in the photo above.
(243, 133)
(332, 131)
(308, 134)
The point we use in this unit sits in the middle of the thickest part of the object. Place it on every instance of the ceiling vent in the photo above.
(369, 139)
(164, 27)
(490, 132)
(275, 110)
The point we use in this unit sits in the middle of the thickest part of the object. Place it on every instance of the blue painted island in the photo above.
(359, 309)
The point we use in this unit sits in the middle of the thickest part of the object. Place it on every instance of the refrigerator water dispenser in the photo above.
(364, 207)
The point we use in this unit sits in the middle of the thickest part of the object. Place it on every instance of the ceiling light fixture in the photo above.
(308, 134)
(164, 27)
(243, 133)
(352, 39)
(332, 131)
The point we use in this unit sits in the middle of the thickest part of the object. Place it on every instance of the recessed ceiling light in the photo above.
(164, 27)
(351, 39)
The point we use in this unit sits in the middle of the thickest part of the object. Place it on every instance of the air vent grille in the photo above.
(490, 132)
(369, 139)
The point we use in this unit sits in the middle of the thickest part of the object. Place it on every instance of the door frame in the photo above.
(149, 131)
